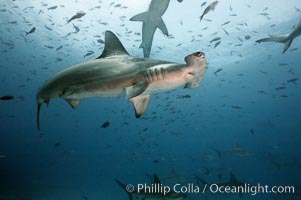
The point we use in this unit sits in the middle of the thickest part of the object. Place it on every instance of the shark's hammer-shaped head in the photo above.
(195, 69)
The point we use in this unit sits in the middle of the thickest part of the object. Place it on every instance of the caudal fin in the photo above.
(285, 39)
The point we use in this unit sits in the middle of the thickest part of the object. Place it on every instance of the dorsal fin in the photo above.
(113, 46)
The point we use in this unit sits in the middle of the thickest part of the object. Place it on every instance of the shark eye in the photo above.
(199, 54)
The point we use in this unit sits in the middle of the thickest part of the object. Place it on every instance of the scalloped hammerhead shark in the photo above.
(117, 74)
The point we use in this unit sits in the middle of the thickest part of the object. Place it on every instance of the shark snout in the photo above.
(195, 69)
(199, 54)
(195, 58)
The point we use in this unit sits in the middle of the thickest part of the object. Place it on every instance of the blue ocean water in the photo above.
(244, 119)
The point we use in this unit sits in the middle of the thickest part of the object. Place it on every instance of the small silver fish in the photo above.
(215, 39)
(280, 88)
(225, 31)
(100, 41)
(216, 44)
(215, 73)
(89, 53)
(48, 46)
(293, 80)
(52, 8)
(78, 15)
(31, 31)
(227, 22)
(203, 4)
(48, 28)
(58, 48)
(208, 9)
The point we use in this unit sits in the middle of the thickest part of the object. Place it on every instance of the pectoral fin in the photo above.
(136, 90)
(140, 17)
(140, 104)
(163, 27)
(73, 102)
(195, 82)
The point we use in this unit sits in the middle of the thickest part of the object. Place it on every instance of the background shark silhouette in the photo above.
(152, 19)
(286, 39)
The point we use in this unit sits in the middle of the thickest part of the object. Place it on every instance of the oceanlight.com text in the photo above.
(191, 188)
(249, 189)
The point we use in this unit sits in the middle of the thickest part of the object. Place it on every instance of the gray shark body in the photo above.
(117, 74)
(172, 195)
(237, 151)
(285, 39)
(152, 19)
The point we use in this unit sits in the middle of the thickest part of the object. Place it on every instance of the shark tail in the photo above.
(125, 188)
(285, 39)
